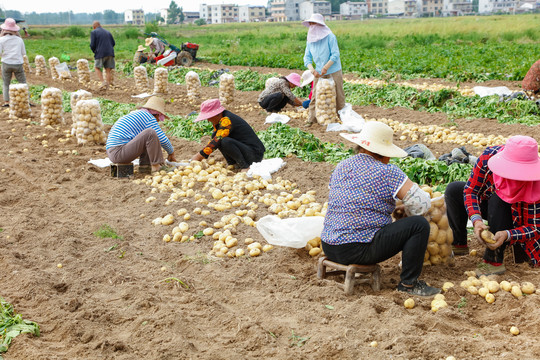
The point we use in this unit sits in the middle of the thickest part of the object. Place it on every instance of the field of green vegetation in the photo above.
(457, 48)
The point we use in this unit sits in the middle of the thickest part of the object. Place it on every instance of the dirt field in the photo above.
(111, 302)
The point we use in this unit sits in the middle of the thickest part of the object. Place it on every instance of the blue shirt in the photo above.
(131, 125)
(361, 200)
(321, 51)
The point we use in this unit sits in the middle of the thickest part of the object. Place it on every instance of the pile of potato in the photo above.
(141, 78)
(439, 248)
(161, 80)
(486, 288)
(26, 64)
(83, 71)
(41, 67)
(314, 247)
(193, 84)
(53, 61)
(325, 103)
(74, 99)
(51, 107)
(89, 127)
(226, 88)
(19, 101)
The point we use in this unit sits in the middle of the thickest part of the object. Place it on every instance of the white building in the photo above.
(205, 13)
(224, 13)
(249, 13)
(286, 10)
(134, 17)
(308, 8)
(164, 14)
(495, 6)
(353, 10)
(402, 7)
(457, 7)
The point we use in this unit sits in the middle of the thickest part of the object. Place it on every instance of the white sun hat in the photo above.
(315, 18)
(377, 137)
(307, 78)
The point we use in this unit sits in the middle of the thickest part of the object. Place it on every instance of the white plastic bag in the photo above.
(488, 91)
(275, 117)
(63, 71)
(291, 232)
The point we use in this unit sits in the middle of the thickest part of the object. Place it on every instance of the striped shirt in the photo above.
(525, 216)
(131, 125)
(361, 200)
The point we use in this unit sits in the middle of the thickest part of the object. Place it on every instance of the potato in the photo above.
(528, 288)
(240, 252)
(437, 202)
(433, 231)
(315, 251)
(516, 291)
(435, 259)
(483, 292)
(254, 252)
(409, 303)
(447, 286)
(436, 214)
(514, 330)
(226, 88)
(167, 220)
(443, 223)
(436, 305)
(487, 236)
(492, 286)
(449, 236)
(473, 290)
(505, 285)
(315, 242)
(267, 247)
(465, 284)
(445, 250)
(441, 237)
(490, 298)
(433, 248)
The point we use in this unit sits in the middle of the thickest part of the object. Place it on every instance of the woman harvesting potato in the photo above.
(358, 227)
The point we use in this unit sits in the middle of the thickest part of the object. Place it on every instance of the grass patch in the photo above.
(105, 231)
(12, 325)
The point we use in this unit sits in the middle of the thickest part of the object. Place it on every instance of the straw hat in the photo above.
(518, 160)
(10, 25)
(307, 78)
(376, 137)
(156, 103)
(210, 108)
(141, 48)
(315, 18)
(148, 41)
(294, 79)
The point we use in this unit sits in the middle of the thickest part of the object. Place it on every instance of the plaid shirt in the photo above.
(525, 216)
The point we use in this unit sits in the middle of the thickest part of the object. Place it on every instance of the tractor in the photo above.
(186, 55)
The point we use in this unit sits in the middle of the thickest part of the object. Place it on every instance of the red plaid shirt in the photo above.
(525, 216)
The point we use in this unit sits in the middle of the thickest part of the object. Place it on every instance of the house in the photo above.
(205, 13)
(429, 7)
(308, 8)
(496, 6)
(191, 16)
(457, 7)
(249, 13)
(286, 10)
(134, 17)
(378, 7)
(402, 8)
(353, 10)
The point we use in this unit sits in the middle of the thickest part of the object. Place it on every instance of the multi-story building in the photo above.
(378, 7)
(205, 13)
(286, 10)
(251, 13)
(353, 10)
(457, 7)
(496, 6)
(402, 8)
(191, 16)
(134, 17)
(308, 8)
(429, 7)
(218, 14)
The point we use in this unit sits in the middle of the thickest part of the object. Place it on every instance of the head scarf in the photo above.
(317, 32)
(513, 191)
(155, 112)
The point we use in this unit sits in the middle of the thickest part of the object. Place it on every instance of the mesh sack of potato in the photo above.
(26, 64)
(439, 248)
(193, 84)
(19, 101)
(51, 107)
(74, 99)
(83, 71)
(141, 78)
(89, 127)
(161, 80)
(226, 88)
(325, 104)
(41, 67)
(53, 62)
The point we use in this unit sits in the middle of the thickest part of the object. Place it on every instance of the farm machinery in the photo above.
(186, 54)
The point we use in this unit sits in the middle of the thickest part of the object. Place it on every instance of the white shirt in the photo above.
(12, 49)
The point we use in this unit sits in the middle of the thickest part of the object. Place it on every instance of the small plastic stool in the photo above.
(121, 170)
(350, 272)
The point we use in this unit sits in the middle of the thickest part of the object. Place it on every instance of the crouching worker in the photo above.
(358, 227)
(232, 135)
(277, 93)
(138, 135)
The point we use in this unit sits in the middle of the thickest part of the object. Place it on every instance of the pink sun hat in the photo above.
(518, 160)
(209, 108)
(294, 79)
(10, 25)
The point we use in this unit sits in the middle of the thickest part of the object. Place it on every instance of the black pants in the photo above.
(274, 102)
(409, 235)
(497, 212)
(238, 153)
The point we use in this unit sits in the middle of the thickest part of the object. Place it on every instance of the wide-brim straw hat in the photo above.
(141, 48)
(294, 79)
(155, 103)
(315, 18)
(10, 25)
(377, 138)
(148, 41)
(307, 78)
(210, 108)
(518, 160)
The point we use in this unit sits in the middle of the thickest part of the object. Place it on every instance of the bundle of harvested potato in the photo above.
(19, 101)
(193, 84)
(83, 71)
(53, 61)
(51, 107)
(161, 80)
(41, 67)
(314, 246)
(89, 127)
(26, 65)
(226, 88)
(439, 249)
(325, 104)
(141, 78)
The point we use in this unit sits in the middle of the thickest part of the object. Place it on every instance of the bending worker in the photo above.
(277, 93)
(138, 135)
(232, 135)
(157, 47)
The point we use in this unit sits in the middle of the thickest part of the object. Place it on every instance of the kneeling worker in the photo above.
(138, 135)
(232, 135)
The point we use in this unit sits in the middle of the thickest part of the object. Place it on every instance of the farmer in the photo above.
(504, 188)
(140, 56)
(531, 81)
(157, 47)
(322, 49)
(102, 45)
(277, 93)
(232, 135)
(138, 135)
(12, 51)
(358, 227)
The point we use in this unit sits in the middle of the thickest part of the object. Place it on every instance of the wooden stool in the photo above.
(350, 272)
(121, 170)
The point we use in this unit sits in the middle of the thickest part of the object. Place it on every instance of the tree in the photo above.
(181, 16)
(173, 12)
(200, 22)
(109, 17)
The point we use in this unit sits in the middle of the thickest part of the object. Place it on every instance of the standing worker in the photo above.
(102, 45)
(322, 49)
(12, 51)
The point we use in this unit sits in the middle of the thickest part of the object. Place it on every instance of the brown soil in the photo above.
(113, 303)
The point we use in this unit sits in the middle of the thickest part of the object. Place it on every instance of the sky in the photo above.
(92, 6)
